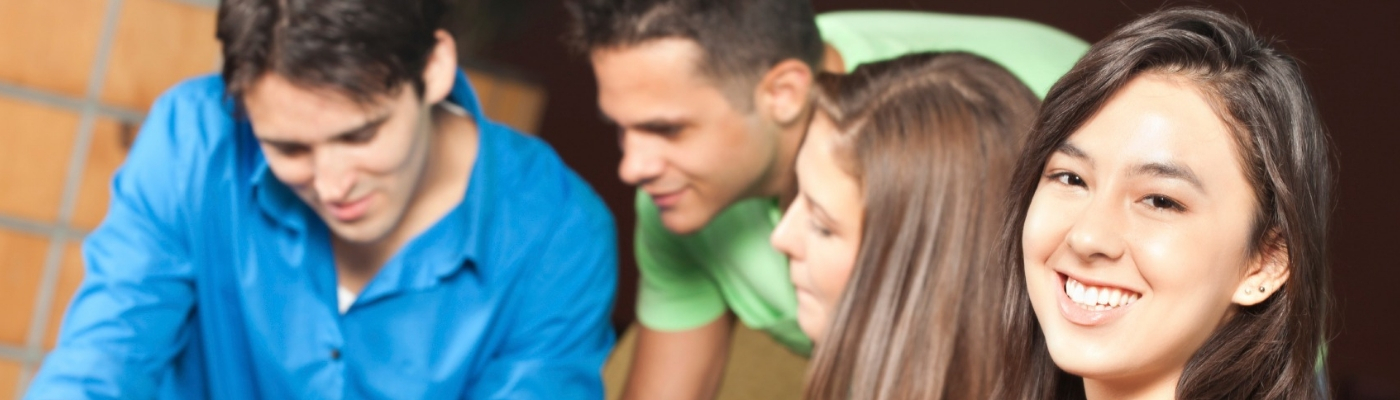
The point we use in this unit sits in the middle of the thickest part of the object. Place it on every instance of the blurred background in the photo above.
(76, 77)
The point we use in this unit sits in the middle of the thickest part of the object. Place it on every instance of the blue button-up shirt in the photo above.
(211, 279)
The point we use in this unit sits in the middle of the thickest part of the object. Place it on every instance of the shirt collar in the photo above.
(455, 241)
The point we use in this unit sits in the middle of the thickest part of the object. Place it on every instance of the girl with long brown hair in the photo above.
(901, 181)
(1168, 221)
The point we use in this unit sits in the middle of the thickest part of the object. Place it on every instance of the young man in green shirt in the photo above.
(711, 103)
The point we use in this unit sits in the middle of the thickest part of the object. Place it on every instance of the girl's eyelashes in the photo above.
(1156, 201)
(1161, 202)
(818, 228)
(1066, 178)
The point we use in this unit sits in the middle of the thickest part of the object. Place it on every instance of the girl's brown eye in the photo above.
(1067, 178)
(1163, 203)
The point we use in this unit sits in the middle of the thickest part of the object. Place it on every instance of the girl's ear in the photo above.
(1266, 273)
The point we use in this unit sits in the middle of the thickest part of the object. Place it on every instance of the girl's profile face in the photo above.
(821, 231)
(1137, 240)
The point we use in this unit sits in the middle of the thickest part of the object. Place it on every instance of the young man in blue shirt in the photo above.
(334, 218)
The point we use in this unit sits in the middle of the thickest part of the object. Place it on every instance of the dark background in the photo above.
(1349, 54)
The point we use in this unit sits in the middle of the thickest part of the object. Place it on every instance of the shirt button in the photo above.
(335, 354)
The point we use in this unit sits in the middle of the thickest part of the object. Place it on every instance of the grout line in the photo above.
(40, 96)
(26, 358)
(26, 373)
(76, 162)
(33, 227)
(214, 4)
(121, 114)
(18, 354)
(62, 101)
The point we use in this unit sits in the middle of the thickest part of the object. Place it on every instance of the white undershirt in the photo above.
(344, 297)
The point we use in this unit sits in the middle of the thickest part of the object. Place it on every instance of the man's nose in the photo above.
(641, 161)
(333, 179)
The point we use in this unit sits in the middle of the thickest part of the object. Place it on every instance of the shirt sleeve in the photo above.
(128, 319)
(1038, 54)
(562, 330)
(675, 291)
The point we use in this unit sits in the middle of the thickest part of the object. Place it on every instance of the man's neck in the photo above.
(451, 153)
(782, 181)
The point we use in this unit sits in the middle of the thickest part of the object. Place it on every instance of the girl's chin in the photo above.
(813, 333)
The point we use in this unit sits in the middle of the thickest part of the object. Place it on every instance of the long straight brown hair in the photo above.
(1265, 351)
(931, 139)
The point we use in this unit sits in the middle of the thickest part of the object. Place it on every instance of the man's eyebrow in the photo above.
(659, 125)
(1169, 170)
(280, 143)
(370, 124)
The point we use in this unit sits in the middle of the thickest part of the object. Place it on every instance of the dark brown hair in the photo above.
(931, 139)
(740, 40)
(1265, 351)
(361, 48)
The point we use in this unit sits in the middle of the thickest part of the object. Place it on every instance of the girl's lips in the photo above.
(1079, 315)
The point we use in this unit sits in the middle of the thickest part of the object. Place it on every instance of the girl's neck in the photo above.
(1157, 387)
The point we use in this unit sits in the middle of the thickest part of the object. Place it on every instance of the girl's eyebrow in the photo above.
(1074, 151)
(1169, 170)
(819, 211)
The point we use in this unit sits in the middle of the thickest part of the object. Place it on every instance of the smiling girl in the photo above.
(1167, 236)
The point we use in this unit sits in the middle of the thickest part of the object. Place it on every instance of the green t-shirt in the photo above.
(1034, 52)
(689, 280)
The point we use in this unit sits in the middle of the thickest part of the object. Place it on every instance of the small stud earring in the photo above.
(1261, 288)
(1247, 291)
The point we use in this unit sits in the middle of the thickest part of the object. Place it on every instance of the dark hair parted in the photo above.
(361, 48)
(1265, 351)
(740, 40)
(931, 139)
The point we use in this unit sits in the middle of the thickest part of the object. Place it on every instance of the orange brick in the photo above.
(50, 45)
(9, 378)
(34, 152)
(158, 43)
(108, 149)
(69, 277)
(20, 271)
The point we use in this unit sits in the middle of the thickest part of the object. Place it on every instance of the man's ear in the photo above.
(783, 93)
(1267, 271)
(441, 70)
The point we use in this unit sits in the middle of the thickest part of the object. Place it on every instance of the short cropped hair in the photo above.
(740, 39)
(361, 48)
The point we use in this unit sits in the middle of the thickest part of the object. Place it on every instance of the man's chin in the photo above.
(358, 232)
(685, 223)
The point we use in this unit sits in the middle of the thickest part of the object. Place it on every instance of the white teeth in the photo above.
(1078, 292)
(1097, 298)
